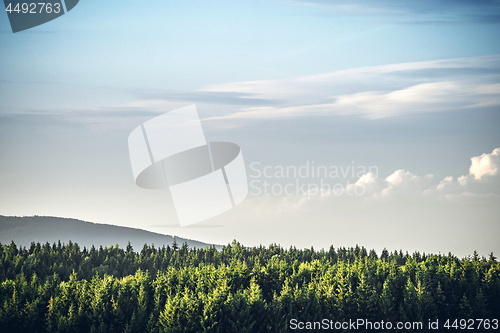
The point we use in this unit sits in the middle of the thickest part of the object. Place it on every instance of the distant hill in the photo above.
(24, 230)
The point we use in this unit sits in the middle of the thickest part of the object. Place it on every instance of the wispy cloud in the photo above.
(369, 92)
(418, 12)
(375, 92)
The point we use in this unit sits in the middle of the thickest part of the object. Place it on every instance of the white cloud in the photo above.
(371, 183)
(446, 182)
(486, 164)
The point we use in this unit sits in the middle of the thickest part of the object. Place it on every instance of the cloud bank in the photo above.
(403, 210)
(483, 180)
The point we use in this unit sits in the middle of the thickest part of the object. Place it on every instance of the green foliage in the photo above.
(62, 288)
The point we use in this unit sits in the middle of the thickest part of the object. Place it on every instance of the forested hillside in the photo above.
(24, 230)
(64, 288)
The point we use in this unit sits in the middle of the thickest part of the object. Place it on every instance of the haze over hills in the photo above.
(24, 230)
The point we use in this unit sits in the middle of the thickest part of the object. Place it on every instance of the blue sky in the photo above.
(406, 85)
